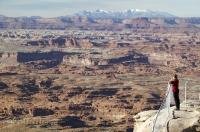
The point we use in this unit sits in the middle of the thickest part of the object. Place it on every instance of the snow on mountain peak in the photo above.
(138, 10)
(130, 13)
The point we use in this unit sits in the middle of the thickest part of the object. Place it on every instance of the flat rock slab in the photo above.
(184, 120)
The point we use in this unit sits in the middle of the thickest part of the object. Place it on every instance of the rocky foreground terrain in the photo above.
(88, 80)
(185, 120)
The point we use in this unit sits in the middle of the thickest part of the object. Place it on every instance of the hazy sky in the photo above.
(51, 8)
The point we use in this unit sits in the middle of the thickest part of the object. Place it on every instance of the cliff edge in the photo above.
(187, 119)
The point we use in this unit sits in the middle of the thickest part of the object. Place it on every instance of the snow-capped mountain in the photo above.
(131, 13)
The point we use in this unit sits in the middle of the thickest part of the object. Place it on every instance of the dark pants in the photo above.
(177, 100)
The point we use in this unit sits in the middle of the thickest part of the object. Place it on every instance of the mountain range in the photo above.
(102, 20)
(130, 13)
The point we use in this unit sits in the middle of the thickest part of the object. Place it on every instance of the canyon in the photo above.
(91, 75)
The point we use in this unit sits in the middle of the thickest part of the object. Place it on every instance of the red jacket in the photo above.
(175, 84)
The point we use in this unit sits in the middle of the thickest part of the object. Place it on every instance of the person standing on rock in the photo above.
(175, 89)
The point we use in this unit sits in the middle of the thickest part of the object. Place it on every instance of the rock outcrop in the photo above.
(8, 59)
(185, 120)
